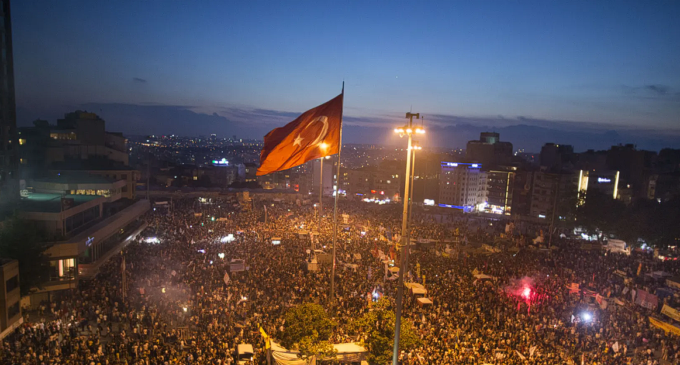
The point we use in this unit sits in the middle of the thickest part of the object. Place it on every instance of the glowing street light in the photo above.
(410, 154)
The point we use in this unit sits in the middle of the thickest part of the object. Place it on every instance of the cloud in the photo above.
(658, 89)
(451, 131)
(139, 80)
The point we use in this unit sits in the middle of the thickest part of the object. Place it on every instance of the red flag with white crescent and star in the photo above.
(314, 134)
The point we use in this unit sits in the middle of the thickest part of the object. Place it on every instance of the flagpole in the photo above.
(335, 208)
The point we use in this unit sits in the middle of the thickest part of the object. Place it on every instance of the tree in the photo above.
(600, 212)
(377, 326)
(658, 222)
(20, 240)
(307, 330)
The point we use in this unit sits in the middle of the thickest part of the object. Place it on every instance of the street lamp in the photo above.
(323, 146)
(408, 130)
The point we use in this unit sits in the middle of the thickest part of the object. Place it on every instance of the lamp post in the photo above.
(323, 147)
(403, 265)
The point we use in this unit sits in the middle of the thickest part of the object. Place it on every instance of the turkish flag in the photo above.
(314, 134)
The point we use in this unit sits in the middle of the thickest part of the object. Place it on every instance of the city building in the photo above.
(382, 183)
(247, 172)
(489, 150)
(555, 157)
(83, 231)
(99, 167)
(462, 185)
(10, 297)
(549, 190)
(634, 165)
(85, 217)
(606, 182)
(80, 184)
(9, 158)
(329, 171)
(522, 192)
(500, 186)
(78, 136)
(278, 180)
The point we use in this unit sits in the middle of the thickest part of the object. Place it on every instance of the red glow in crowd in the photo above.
(526, 292)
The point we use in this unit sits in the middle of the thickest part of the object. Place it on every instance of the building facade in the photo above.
(9, 157)
(500, 186)
(79, 136)
(10, 297)
(549, 190)
(462, 185)
(489, 150)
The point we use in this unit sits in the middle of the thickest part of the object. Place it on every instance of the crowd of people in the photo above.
(166, 298)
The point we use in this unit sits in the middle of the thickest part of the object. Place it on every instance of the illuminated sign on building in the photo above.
(222, 162)
(603, 180)
(89, 241)
(455, 164)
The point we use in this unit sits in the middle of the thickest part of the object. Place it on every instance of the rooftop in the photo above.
(98, 164)
(51, 203)
(76, 178)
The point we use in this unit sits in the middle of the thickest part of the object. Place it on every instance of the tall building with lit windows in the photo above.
(462, 185)
(9, 158)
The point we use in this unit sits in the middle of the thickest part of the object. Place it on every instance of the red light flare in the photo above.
(526, 293)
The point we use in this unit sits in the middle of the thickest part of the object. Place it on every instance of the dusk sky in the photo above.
(604, 68)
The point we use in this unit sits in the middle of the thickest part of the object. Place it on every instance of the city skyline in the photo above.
(591, 75)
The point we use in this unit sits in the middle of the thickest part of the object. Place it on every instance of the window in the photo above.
(12, 283)
(13, 310)
(62, 269)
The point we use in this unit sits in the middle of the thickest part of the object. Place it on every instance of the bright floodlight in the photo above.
(152, 240)
(420, 131)
(221, 255)
(323, 145)
(409, 131)
(184, 308)
(587, 317)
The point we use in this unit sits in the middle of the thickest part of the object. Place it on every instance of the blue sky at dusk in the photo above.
(243, 67)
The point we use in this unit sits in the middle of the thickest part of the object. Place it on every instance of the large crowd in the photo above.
(177, 306)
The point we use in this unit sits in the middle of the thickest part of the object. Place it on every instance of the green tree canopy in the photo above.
(654, 222)
(20, 240)
(307, 329)
(377, 326)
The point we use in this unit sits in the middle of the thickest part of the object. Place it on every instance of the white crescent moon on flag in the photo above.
(324, 131)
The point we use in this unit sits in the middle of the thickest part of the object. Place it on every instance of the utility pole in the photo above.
(148, 175)
(320, 192)
(552, 220)
(403, 266)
